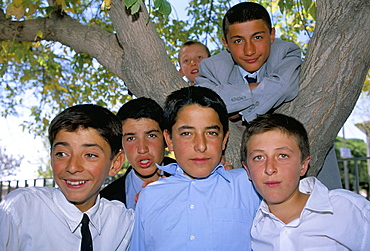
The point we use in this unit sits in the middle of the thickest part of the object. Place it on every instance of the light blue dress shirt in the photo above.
(180, 213)
(41, 218)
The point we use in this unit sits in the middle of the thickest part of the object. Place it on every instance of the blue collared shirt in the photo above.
(180, 213)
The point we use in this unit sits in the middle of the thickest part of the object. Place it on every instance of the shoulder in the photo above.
(28, 195)
(344, 198)
(278, 43)
(114, 208)
(218, 59)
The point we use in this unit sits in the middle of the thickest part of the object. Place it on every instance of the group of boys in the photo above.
(198, 205)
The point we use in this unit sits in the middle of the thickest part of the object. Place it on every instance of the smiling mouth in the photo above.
(194, 71)
(75, 183)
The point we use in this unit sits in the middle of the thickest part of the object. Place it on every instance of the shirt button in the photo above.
(192, 237)
(191, 206)
(193, 182)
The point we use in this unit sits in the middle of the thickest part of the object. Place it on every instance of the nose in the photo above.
(249, 48)
(200, 143)
(74, 165)
(142, 147)
(270, 168)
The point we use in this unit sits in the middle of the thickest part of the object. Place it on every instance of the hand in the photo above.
(226, 164)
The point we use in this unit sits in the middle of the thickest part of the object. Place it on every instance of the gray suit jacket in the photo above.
(278, 77)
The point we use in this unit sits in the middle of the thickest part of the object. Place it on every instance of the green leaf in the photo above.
(312, 11)
(158, 3)
(307, 4)
(281, 5)
(165, 8)
(136, 7)
(130, 3)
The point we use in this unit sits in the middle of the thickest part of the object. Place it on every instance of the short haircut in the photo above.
(87, 116)
(279, 122)
(141, 108)
(194, 95)
(189, 43)
(244, 12)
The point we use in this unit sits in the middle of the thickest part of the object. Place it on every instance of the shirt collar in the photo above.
(251, 75)
(317, 202)
(73, 216)
(175, 170)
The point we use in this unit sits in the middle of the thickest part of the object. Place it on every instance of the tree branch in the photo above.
(91, 40)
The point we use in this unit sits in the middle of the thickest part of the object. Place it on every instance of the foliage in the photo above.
(9, 164)
(358, 149)
(56, 77)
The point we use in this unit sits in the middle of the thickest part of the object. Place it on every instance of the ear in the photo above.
(224, 141)
(168, 139)
(247, 169)
(224, 41)
(117, 163)
(272, 35)
(305, 165)
(181, 72)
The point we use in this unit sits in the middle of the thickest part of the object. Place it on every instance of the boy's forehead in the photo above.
(189, 112)
(135, 123)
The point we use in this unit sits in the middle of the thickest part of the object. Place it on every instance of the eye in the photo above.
(130, 138)
(60, 154)
(258, 37)
(258, 158)
(152, 135)
(186, 61)
(91, 155)
(213, 133)
(283, 156)
(200, 57)
(238, 41)
(185, 134)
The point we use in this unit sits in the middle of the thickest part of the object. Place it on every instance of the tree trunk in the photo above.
(333, 73)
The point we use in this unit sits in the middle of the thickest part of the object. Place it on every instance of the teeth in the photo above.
(75, 183)
(144, 161)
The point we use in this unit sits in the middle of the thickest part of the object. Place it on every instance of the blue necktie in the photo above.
(86, 243)
(250, 80)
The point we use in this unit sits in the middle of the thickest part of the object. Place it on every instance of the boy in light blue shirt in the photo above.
(201, 206)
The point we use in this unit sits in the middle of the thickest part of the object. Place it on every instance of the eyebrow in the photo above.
(184, 127)
(255, 33)
(84, 145)
(151, 131)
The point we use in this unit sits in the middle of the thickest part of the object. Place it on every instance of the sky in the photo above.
(20, 143)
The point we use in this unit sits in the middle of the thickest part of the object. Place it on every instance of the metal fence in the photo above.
(10, 185)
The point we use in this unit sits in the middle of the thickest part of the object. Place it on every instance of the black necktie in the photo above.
(86, 243)
(250, 80)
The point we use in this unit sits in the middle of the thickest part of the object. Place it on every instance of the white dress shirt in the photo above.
(331, 220)
(41, 218)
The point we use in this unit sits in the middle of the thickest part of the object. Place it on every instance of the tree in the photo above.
(9, 164)
(332, 75)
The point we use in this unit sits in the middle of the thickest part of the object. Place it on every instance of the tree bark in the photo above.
(333, 73)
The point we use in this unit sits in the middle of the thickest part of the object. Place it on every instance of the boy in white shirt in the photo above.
(85, 147)
(297, 214)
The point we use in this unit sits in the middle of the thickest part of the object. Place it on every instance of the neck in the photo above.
(290, 209)
(151, 177)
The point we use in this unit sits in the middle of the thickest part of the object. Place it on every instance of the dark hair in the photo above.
(280, 122)
(86, 116)
(189, 43)
(244, 12)
(194, 95)
(142, 108)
